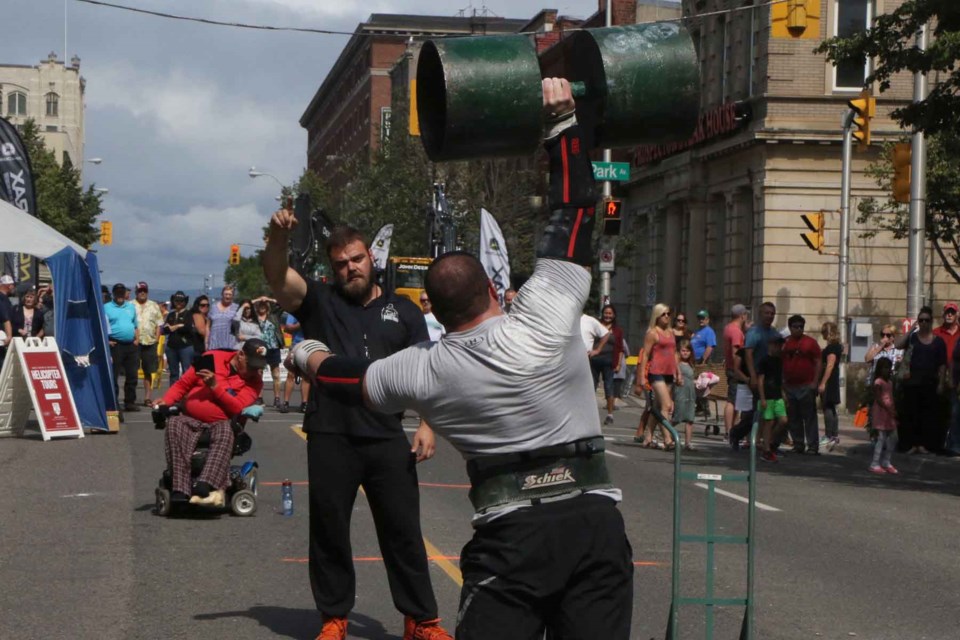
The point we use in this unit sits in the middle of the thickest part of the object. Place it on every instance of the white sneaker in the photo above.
(217, 498)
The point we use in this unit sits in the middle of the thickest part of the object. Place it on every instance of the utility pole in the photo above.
(843, 271)
(607, 191)
(918, 198)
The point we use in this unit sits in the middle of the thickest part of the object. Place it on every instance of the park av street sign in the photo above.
(616, 171)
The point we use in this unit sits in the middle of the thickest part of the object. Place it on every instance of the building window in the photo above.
(851, 17)
(17, 104)
(53, 105)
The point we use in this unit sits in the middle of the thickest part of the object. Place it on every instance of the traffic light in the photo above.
(106, 233)
(901, 155)
(611, 217)
(234, 254)
(814, 237)
(864, 108)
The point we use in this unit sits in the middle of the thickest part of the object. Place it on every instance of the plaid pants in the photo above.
(180, 441)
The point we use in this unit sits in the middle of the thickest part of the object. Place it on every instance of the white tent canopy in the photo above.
(20, 232)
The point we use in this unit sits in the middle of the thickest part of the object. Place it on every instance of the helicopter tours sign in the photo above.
(34, 370)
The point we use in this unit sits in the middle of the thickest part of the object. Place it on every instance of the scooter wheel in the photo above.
(163, 502)
(243, 503)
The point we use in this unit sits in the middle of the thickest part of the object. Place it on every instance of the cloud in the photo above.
(189, 110)
(177, 250)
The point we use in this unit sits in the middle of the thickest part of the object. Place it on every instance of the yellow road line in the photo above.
(446, 565)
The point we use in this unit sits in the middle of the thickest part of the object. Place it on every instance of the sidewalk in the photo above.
(854, 442)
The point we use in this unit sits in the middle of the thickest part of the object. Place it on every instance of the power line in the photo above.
(220, 23)
(261, 27)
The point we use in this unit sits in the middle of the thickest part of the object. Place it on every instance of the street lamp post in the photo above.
(253, 173)
(102, 190)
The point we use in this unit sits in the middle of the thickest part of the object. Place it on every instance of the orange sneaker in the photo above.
(424, 630)
(333, 629)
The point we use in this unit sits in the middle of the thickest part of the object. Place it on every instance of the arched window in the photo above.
(53, 104)
(17, 104)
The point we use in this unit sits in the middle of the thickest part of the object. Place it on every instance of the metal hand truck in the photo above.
(710, 538)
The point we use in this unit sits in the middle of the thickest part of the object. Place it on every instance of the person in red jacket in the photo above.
(209, 400)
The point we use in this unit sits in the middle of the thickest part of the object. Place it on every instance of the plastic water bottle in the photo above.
(286, 498)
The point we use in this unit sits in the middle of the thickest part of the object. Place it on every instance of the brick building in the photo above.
(352, 105)
(717, 221)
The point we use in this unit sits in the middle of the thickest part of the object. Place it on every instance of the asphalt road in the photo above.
(840, 553)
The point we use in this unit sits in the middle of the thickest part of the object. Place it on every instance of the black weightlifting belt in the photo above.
(543, 475)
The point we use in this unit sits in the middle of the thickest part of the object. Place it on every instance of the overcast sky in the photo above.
(179, 112)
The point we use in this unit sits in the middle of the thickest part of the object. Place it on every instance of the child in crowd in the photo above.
(772, 407)
(685, 393)
(883, 418)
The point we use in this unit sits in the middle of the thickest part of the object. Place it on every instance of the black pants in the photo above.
(565, 567)
(126, 359)
(338, 465)
(920, 424)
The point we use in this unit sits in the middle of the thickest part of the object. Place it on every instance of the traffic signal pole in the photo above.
(843, 271)
(918, 199)
(607, 191)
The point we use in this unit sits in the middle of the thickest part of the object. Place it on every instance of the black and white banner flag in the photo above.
(493, 253)
(16, 187)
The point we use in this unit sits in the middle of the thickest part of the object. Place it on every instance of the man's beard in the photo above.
(357, 289)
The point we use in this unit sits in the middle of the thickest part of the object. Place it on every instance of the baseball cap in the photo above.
(703, 313)
(256, 352)
(738, 310)
(950, 306)
(142, 286)
(6, 279)
(119, 288)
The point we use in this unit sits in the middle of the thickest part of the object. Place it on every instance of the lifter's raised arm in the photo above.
(573, 195)
(287, 285)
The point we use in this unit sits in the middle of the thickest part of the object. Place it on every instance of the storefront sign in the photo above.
(713, 124)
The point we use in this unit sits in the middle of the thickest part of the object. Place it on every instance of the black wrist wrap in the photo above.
(341, 378)
(573, 197)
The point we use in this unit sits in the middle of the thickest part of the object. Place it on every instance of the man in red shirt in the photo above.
(732, 342)
(949, 330)
(209, 400)
(801, 371)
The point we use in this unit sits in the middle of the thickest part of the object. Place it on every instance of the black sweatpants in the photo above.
(921, 424)
(126, 360)
(338, 465)
(565, 567)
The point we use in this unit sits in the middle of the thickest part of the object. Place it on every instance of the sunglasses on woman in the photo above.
(886, 335)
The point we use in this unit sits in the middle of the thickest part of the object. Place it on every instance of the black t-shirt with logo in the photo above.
(388, 324)
(771, 368)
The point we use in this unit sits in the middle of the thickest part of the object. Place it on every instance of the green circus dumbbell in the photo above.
(481, 96)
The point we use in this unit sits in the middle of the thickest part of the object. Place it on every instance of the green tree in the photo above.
(395, 186)
(62, 202)
(943, 200)
(247, 277)
(890, 45)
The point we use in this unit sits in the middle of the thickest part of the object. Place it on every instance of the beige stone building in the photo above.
(50, 93)
(717, 220)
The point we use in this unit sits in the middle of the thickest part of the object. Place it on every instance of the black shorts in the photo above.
(660, 377)
(273, 358)
(149, 359)
(565, 566)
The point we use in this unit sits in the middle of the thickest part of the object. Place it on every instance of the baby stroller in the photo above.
(241, 492)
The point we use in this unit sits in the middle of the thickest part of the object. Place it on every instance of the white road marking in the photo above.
(614, 454)
(736, 497)
(79, 495)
